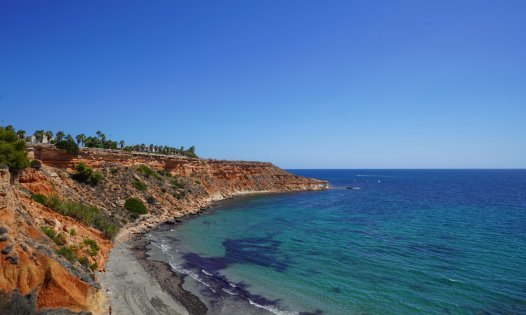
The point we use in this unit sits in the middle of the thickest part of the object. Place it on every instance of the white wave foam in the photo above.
(228, 291)
(272, 309)
(206, 272)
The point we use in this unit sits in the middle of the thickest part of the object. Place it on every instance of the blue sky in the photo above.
(303, 84)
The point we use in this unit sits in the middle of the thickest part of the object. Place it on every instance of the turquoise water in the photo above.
(406, 242)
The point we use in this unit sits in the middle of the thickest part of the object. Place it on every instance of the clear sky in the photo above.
(303, 84)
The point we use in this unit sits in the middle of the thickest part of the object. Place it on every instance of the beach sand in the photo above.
(132, 286)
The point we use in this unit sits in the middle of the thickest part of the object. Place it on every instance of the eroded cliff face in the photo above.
(227, 177)
(29, 262)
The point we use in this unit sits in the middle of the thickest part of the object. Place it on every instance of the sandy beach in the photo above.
(132, 287)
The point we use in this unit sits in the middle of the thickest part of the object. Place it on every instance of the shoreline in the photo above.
(150, 223)
(150, 275)
(168, 279)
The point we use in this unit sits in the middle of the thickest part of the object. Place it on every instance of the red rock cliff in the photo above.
(30, 263)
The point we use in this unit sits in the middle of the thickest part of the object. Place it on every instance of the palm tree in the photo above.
(121, 143)
(21, 134)
(59, 136)
(49, 135)
(151, 148)
(101, 136)
(39, 135)
(69, 138)
(80, 139)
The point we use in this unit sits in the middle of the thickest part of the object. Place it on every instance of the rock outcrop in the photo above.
(30, 265)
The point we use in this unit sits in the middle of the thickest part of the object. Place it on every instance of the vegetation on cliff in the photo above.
(85, 174)
(70, 144)
(147, 171)
(89, 215)
(135, 206)
(139, 185)
(13, 153)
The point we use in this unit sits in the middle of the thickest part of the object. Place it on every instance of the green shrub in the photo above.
(147, 171)
(72, 232)
(95, 178)
(39, 198)
(136, 206)
(198, 182)
(84, 261)
(69, 252)
(49, 232)
(60, 239)
(89, 215)
(108, 228)
(114, 171)
(94, 266)
(93, 246)
(85, 174)
(13, 152)
(139, 185)
(36, 164)
(68, 145)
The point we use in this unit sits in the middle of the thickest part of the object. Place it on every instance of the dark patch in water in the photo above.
(210, 264)
(336, 290)
(262, 251)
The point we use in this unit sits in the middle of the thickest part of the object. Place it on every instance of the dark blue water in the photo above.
(406, 242)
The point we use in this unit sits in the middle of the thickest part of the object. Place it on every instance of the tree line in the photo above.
(99, 140)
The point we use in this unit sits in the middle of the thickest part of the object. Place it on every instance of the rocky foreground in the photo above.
(38, 276)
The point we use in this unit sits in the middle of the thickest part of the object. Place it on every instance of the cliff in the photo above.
(32, 272)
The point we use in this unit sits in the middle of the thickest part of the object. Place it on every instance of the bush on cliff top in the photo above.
(136, 206)
(68, 145)
(89, 215)
(13, 151)
(85, 174)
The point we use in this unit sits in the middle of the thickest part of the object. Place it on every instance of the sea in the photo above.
(376, 242)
